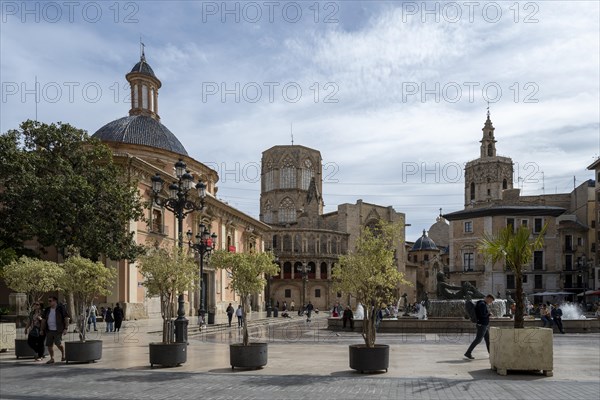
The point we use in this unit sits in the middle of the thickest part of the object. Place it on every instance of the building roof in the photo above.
(143, 67)
(142, 130)
(594, 164)
(505, 210)
(424, 243)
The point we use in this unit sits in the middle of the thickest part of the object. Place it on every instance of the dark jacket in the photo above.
(482, 313)
(556, 313)
(118, 314)
(109, 316)
(348, 314)
(62, 318)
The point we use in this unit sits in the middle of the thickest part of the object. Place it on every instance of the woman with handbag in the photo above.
(35, 339)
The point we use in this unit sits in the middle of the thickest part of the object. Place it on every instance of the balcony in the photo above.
(158, 229)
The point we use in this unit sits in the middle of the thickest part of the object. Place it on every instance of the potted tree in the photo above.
(517, 348)
(167, 272)
(370, 275)
(247, 273)
(85, 280)
(35, 278)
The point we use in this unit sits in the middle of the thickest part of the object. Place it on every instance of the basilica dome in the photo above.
(424, 243)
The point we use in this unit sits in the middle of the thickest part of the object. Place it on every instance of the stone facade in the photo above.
(307, 242)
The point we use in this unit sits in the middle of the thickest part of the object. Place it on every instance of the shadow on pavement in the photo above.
(488, 374)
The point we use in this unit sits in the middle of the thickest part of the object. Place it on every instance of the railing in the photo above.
(160, 229)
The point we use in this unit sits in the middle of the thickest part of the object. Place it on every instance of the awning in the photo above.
(550, 294)
(589, 293)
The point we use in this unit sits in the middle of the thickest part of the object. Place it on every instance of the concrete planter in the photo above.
(168, 355)
(528, 349)
(8, 335)
(254, 355)
(363, 358)
(22, 349)
(88, 351)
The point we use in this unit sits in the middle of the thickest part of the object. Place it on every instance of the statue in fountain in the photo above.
(446, 291)
(405, 305)
(509, 303)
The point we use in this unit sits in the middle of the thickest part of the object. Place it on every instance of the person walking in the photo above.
(54, 325)
(348, 316)
(118, 315)
(110, 320)
(229, 312)
(292, 306)
(483, 324)
(309, 310)
(556, 314)
(92, 319)
(33, 330)
(240, 315)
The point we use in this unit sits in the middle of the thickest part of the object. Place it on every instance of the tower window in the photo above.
(144, 97)
(489, 192)
(490, 149)
(136, 103)
(504, 184)
(472, 190)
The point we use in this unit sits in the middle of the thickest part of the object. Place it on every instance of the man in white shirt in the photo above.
(54, 325)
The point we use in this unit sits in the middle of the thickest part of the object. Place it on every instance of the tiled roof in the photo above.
(142, 130)
(144, 68)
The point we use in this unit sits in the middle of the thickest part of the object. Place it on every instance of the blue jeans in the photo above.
(546, 320)
(482, 333)
(110, 326)
(92, 320)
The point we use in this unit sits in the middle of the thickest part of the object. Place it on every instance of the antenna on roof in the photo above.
(488, 109)
(292, 132)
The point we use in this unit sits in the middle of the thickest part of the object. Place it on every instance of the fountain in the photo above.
(571, 311)
(456, 308)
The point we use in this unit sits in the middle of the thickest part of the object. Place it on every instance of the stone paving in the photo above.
(305, 362)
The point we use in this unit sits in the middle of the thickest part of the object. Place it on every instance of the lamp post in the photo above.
(269, 283)
(205, 244)
(304, 269)
(179, 203)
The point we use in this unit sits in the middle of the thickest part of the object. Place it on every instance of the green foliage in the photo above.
(33, 277)
(167, 271)
(86, 280)
(62, 188)
(516, 249)
(247, 274)
(369, 272)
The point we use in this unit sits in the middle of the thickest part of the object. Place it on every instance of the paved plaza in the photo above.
(306, 361)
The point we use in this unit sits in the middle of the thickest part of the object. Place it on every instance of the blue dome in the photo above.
(142, 130)
(424, 243)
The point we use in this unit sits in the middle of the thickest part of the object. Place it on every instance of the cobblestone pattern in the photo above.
(22, 382)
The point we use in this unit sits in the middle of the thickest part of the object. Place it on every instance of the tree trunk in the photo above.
(244, 322)
(519, 323)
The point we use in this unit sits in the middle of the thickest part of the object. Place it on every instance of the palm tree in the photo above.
(516, 249)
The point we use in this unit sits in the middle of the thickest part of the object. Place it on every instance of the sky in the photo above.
(393, 94)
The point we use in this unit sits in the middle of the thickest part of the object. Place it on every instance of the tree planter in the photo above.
(23, 350)
(88, 351)
(252, 356)
(528, 349)
(363, 358)
(168, 354)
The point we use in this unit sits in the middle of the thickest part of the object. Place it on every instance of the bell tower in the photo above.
(487, 176)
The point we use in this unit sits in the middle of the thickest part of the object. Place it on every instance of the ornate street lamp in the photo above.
(179, 203)
(304, 269)
(205, 244)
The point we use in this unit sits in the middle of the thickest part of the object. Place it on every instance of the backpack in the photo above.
(470, 310)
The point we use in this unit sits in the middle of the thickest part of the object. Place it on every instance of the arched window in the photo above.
(287, 270)
(287, 211)
(307, 174)
(287, 175)
(490, 150)
(323, 270)
(275, 243)
(287, 243)
(504, 184)
(269, 177)
(152, 99)
(472, 191)
(144, 97)
(297, 243)
(136, 102)
(268, 213)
